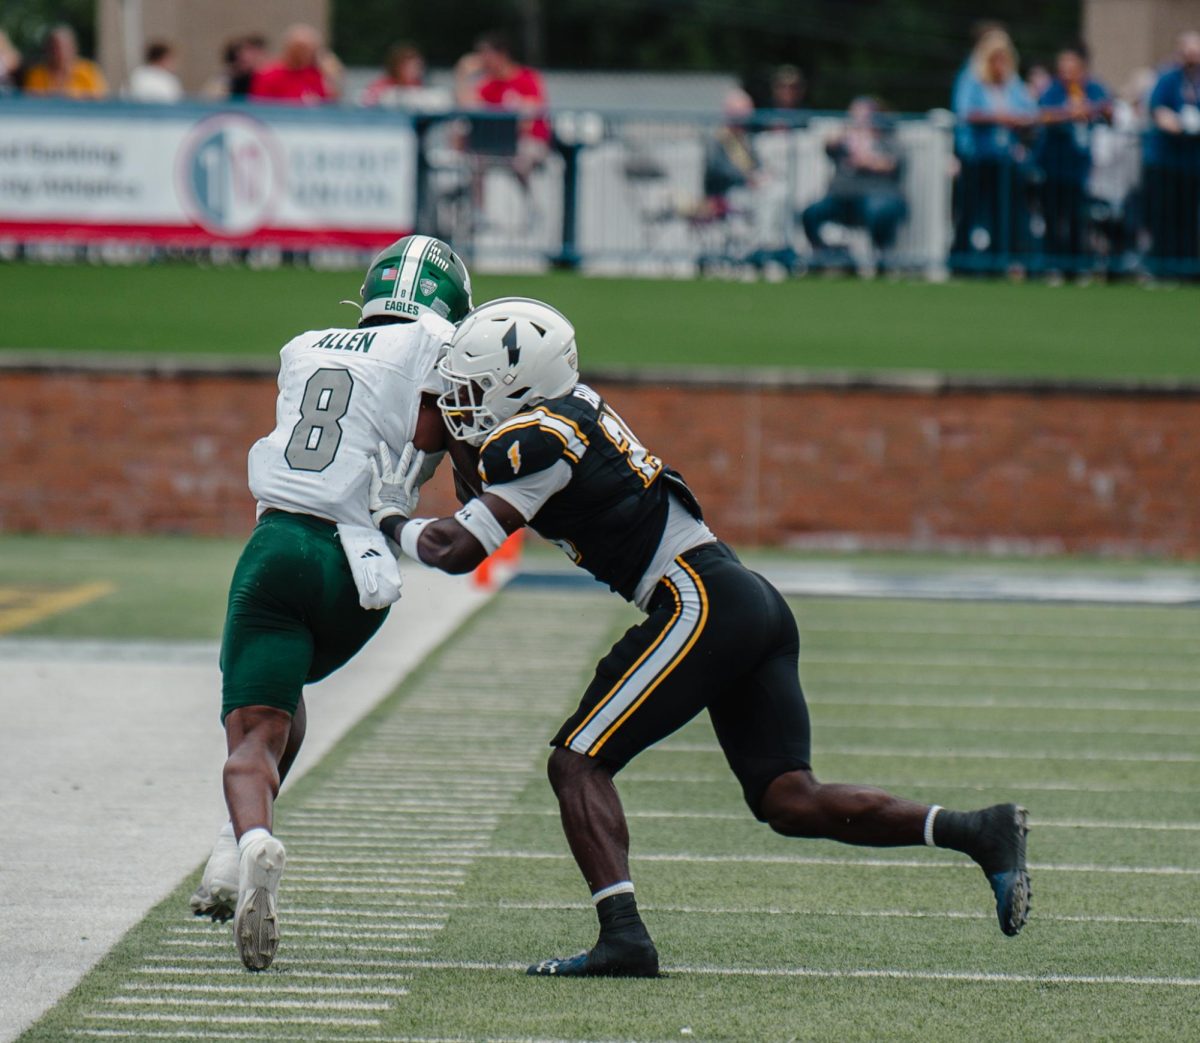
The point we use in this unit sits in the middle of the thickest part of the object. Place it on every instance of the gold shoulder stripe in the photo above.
(509, 425)
(533, 421)
(565, 420)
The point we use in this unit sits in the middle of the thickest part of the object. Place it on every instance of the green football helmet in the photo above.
(414, 275)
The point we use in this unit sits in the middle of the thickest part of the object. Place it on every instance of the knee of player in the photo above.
(792, 822)
(567, 769)
(790, 806)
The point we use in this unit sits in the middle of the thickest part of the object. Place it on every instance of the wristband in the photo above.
(411, 533)
(481, 523)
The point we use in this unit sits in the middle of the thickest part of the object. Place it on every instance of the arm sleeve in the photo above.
(530, 493)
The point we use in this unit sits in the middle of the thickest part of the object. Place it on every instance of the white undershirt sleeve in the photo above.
(530, 493)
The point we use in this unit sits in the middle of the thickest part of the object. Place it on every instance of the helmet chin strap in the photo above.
(353, 304)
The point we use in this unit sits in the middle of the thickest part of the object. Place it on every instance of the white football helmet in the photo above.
(506, 356)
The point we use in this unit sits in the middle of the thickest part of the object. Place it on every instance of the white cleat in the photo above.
(218, 891)
(256, 924)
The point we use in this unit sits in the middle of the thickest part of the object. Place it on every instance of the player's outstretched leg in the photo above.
(256, 924)
(797, 805)
(217, 894)
(598, 834)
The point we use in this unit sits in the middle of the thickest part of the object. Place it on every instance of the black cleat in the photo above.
(610, 958)
(1000, 851)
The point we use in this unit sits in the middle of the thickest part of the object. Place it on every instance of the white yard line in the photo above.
(854, 972)
(313, 1038)
(991, 728)
(231, 1019)
(118, 744)
(264, 999)
(995, 755)
(831, 700)
(724, 778)
(219, 962)
(1003, 660)
(847, 914)
(238, 974)
(744, 816)
(921, 680)
(1009, 631)
(232, 988)
(871, 863)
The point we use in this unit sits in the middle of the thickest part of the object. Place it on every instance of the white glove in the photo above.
(375, 572)
(394, 492)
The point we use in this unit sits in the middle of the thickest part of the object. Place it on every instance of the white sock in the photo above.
(622, 887)
(250, 836)
(929, 824)
(226, 830)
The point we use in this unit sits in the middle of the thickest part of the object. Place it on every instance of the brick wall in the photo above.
(775, 461)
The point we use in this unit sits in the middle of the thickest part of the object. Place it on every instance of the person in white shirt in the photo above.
(155, 81)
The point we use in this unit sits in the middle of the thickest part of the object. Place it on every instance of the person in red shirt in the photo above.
(488, 77)
(306, 74)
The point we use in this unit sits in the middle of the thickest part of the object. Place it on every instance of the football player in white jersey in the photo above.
(315, 580)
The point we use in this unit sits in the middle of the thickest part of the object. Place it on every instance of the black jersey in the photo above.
(611, 514)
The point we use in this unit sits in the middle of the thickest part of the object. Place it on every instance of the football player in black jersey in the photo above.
(552, 454)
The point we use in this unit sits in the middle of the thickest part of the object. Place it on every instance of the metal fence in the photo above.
(605, 191)
(625, 193)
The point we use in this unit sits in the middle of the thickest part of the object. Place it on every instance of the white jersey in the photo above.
(341, 393)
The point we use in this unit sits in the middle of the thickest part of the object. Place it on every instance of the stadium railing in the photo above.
(614, 191)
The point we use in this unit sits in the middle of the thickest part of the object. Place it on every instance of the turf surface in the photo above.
(998, 328)
(160, 586)
(174, 587)
(417, 889)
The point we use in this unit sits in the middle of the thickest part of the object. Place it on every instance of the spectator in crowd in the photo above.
(979, 30)
(865, 190)
(64, 74)
(737, 183)
(402, 84)
(1172, 165)
(488, 77)
(11, 64)
(1070, 106)
(1114, 186)
(992, 107)
(156, 80)
(305, 74)
(730, 158)
(788, 88)
(242, 57)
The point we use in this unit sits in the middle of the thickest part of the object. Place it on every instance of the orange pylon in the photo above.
(504, 558)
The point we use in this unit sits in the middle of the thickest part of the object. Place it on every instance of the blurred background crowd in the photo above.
(1048, 170)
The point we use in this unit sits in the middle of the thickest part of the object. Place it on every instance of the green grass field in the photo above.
(426, 865)
(163, 586)
(998, 328)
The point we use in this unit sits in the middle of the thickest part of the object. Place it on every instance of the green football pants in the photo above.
(293, 615)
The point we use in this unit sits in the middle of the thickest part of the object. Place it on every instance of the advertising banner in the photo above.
(195, 175)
